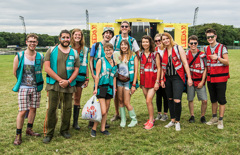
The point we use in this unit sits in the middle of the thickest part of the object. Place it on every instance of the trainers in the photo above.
(213, 121)
(115, 117)
(149, 125)
(105, 133)
(170, 124)
(164, 117)
(47, 139)
(203, 119)
(177, 126)
(93, 133)
(148, 122)
(192, 119)
(220, 124)
(159, 116)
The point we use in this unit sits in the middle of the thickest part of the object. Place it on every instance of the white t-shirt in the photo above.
(135, 46)
(160, 52)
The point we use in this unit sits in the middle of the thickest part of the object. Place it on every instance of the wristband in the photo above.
(218, 58)
(86, 79)
(69, 81)
(134, 85)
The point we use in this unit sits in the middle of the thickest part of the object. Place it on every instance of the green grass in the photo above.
(194, 138)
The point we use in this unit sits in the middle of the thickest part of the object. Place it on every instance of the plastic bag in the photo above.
(92, 110)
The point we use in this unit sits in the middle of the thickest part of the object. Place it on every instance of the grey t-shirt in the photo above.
(214, 48)
(61, 71)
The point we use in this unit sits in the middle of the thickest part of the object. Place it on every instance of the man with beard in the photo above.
(61, 64)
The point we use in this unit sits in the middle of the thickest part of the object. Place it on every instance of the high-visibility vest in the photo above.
(83, 56)
(118, 41)
(216, 71)
(69, 64)
(176, 60)
(99, 54)
(106, 76)
(38, 71)
(197, 68)
(148, 69)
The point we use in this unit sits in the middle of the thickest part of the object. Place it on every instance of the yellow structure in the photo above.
(140, 27)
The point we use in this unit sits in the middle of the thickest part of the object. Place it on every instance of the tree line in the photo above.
(8, 38)
(227, 34)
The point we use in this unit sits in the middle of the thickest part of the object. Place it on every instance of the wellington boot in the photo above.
(123, 117)
(75, 117)
(133, 117)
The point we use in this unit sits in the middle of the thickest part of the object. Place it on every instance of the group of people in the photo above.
(165, 70)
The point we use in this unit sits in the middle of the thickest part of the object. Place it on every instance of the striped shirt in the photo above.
(170, 68)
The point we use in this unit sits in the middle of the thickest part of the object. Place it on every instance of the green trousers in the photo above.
(54, 98)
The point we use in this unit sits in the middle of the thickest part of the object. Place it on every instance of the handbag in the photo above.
(92, 110)
(122, 78)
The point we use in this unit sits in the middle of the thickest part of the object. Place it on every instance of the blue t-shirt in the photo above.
(93, 51)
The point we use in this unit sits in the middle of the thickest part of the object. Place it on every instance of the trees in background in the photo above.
(8, 38)
(226, 34)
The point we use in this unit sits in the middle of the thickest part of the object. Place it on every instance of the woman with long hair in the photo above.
(127, 82)
(149, 75)
(77, 42)
(160, 94)
(174, 65)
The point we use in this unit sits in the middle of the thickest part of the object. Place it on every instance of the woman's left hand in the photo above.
(85, 84)
(156, 86)
(133, 89)
(190, 82)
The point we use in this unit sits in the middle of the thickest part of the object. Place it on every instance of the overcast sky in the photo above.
(51, 16)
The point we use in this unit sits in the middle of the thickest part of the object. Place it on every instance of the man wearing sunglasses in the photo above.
(198, 68)
(217, 76)
(115, 41)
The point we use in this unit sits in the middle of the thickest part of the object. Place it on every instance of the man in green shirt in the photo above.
(61, 65)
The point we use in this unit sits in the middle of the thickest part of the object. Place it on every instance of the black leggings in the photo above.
(161, 94)
(174, 89)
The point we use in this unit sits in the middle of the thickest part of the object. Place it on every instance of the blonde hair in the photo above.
(33, 35)
(129, 54)
(159, 35)
(81, 42)
(172, 43)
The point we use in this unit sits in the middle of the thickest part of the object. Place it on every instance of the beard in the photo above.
(64, 45)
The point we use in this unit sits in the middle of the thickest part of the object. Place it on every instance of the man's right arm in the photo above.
(48, 68)
(92, 54)
(15, 65)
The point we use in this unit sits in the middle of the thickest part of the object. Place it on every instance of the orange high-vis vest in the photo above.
(176, 60)
(197, 68)
(216, 71)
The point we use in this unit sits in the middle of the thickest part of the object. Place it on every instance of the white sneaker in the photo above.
(177, 126)
(159, 116)
(213, 120)
(169, 124)
(220, 124)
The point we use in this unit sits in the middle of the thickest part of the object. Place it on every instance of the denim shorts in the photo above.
(123, 84)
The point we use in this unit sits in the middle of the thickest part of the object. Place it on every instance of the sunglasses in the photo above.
(208, 37)
(195, 43)
(122, 26)
(157, 40)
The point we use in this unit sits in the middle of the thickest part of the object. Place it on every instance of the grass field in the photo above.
(194, 138)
